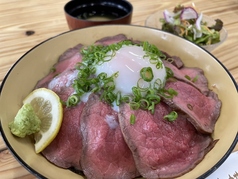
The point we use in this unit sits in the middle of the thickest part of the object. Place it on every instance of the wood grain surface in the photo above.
(25, 23)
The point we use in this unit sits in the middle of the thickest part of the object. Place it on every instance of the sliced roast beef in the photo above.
(71, 53)
(162, 149)
(175, 60)
(72, 56)
(67, 61)
(203, 110)
(65, 150)
(196, 77)
(111, 39)
(62, 83)
(191, 75)
(105, 153)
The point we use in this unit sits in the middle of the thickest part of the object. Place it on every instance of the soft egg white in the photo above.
(128, 61)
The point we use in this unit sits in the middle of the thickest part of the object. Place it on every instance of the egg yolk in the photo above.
(128, 61)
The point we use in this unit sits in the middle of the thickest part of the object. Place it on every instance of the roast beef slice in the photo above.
(105, 153)
(62, 83)
(65, 150)
(203, 110)
(162, 149)
(67, 61)
(72, 56)
(191, 75)
(175, 60)
(111, 39)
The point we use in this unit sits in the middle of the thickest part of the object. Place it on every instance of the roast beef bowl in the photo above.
(185, 126)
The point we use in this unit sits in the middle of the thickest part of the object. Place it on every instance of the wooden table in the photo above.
(25, 23)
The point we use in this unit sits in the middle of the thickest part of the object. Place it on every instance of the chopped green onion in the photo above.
(142, 85)
(137, 93)
(102, 76)
(134, 105)
(153, 98)
(195, 79)
(125, 99)
(159, 65)
(158, 84)
(169, 73)
(118, 99)
(146, 74)
(132, 119)
(187, 77)
(143, 96)
(170, 60)
(144, 104)
(190, 79)
(53, 69)
(171, 116)
(168, 93)
(154, 54)
(152, 108)
(73, 100)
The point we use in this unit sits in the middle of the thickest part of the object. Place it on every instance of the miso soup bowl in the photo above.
(37, 62)
(85, 13)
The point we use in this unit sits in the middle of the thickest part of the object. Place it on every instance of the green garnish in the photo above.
(191, 79)
(171, 116)
(169, 73)
(154, 54)
(167, 93)
(146, 74)
(73, 100)
(142, 97)
(132, 119)
(195, 79)
(53, 69)
(187, 77)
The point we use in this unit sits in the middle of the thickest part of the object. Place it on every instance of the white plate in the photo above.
(228, 170)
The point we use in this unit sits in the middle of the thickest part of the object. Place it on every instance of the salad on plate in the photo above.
(189, 24)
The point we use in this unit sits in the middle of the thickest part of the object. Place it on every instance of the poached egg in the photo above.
(128, 61)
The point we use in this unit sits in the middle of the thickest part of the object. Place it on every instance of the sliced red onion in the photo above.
(188, 13)
(198, 22)
(168, 16)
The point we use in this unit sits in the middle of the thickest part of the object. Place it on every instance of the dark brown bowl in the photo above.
(85, 13)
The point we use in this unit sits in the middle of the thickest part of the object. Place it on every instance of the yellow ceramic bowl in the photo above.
(37, 62)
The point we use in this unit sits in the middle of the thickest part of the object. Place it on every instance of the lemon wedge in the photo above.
(48, 108)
